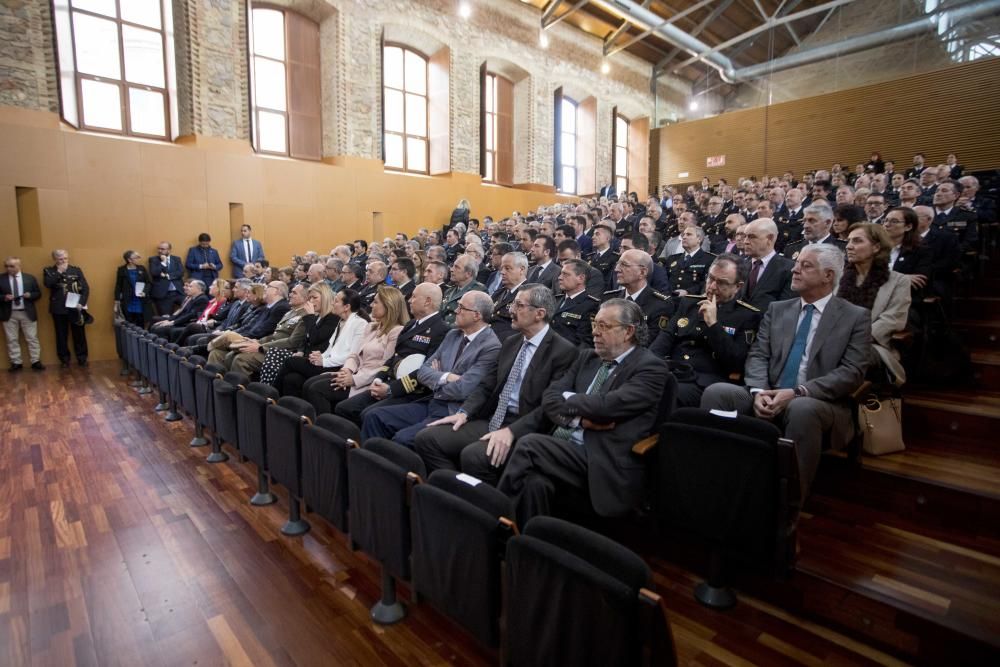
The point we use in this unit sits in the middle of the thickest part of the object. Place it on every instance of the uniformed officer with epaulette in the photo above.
(633, 271)
(513, 272)
(604, 258)
(574, 316)
(710, 335)
(817, 227)
(689, 268)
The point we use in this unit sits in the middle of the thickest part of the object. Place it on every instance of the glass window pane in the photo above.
(416, 154)
(621, 184)
(147, 112)
(568, 157)
(96, 46)
(621, 131)
(489, 93)
(106, 7)
(392, 67)
(272, 132)
(394, 151)
(393, 110)
(496, 132)
(143, 56)
(102, 105)
(269, 33)
(489, 132)
(621, 161)
(144, 12)
(269, 77)
(416, 115)
(568, 116)
(489, 167)
(416, 73)
(569, 179)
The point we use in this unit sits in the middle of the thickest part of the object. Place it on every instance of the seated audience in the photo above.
(195, 300)
(845, 215)
(909, 255)
(320, 324)
(770, 276)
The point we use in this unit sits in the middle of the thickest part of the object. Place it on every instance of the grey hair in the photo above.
(199, 283)
(482, 304)
(519, 258)
(57, 252)
(540, 296)
(631, 315)
(824, 212)
(243, 283)
(830, 258)
(699, 231)
(334, 263)
(281, 287)
(471, 266)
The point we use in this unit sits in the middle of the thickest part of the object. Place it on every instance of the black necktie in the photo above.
(461, 348)
(247, 244)
(754, 275)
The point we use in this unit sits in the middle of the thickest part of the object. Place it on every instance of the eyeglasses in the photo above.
(517, 305)
(604, 327)
(720, 283)
(461, 307)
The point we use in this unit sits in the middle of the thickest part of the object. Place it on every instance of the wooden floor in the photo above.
(119, 545)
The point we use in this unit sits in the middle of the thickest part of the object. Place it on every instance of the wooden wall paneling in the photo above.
(305, 131)
(438, 111)
(739, 135)
(586, 147)
(638, 156)
(505, 132)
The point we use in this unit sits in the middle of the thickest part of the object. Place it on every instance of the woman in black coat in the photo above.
(132, 286)
(320, 323)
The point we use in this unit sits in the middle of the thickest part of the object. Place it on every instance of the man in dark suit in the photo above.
(816, 228)
(422, 335)
(770, 277)
(576, 307)
(18, 293)
(507, 403)
(171, 326)
(603, 404)
(811, 353)
(946, 258)
(494, 282)
(276, 305)
(67, 284)
(245, 250)
(375, 276)
(545, 271)
(949, 217)
(203, 262)
(513, 270)
(466, 355)
(580, 234)
(167, 272)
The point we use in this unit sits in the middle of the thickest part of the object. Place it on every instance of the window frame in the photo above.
(426, 138)
(255, 108)
(490, 117)
(564, 135)
(122, 83)
(614, 155)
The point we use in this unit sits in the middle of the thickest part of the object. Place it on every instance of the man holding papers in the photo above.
(68, 303)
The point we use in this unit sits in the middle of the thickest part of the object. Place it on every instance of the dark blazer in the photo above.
(61, 283)
(774, 283)
(423, 338)
(792, 250)
(554, 355)
(549, 276)
(196, 256)
(318, 332)
(574, 318)
(31, 294)
(502, 300)
(268, 320)
(190, 311)
(123, 290)
(164, 275)
(915, 261)
(629, 400)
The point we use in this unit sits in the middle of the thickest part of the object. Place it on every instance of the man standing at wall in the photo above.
(18, 293)
(167, 272)
(245, 250)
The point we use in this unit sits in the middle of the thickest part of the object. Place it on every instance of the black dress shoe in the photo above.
(38, 366)
(81, 362)
(64, 364)
(14, 368)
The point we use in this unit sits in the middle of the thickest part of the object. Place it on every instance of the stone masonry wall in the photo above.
(28, 74)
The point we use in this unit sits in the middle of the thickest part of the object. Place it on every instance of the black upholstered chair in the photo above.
(382, 474)
(284, 454)
(121, 346)
(734, 483)
(575, 597)
(143, 344)
(204, 417)
(460, 530)
(163, 351)
(324, 470)
(226, 429)
(174, 382)
(251, 420)
(189, 398)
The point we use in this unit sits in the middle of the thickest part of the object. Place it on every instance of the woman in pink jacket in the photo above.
(377, 343)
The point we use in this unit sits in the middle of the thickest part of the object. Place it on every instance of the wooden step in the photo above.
(962, 413)
(932, 600)
(986, 368)
(977, 308)
(978, 333)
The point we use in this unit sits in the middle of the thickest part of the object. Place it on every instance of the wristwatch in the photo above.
(799, 391)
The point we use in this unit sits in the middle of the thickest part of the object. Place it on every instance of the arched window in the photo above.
(404, 104)
(285, 72)
(567, 153)
(114, 64)
(621, 153)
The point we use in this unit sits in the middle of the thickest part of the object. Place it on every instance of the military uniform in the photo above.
(368, 293)
(700, 355)
(790, 230)
(689, 274)
(502, 314)
(449, 304)
(605, 264)
(574, 319)
(656, 306)
(792, 250)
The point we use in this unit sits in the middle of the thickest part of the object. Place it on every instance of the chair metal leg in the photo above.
(295, 525)
(388, 610)
(217, 455)
(145, 388)
(263, 495)
(199, 439)
(162, 405)
(173, 415)
(124, 369)
(714, 593)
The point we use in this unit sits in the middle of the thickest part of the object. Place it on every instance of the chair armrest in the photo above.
(858, 395)
(645, 445)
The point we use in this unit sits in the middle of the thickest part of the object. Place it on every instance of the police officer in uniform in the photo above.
(817, 226)
(633, 271)
(689, 268)
(513, 272)
(575, 312)
(709, 337)
(604, 258)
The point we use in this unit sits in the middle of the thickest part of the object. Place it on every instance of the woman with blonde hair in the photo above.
(378, 343)
(870, 283)
(320, 322)
(460, 214)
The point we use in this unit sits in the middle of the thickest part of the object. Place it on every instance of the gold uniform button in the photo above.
(686, 357)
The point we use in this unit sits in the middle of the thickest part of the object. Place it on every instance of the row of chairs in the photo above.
(566, 593)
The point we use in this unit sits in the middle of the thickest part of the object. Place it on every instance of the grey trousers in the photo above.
(19, 321)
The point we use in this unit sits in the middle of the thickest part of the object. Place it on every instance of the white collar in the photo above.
(819, 303)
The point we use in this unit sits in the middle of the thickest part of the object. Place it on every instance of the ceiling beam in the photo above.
(610, 50)
(548, 22)
(720, 8)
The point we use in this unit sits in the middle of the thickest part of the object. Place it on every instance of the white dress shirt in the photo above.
(17, 289)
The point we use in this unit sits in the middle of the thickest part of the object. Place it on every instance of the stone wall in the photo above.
(27, 62)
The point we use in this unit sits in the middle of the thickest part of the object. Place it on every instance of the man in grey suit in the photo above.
(603, 404)
(507, 404)
(811, 353)
(466, 355)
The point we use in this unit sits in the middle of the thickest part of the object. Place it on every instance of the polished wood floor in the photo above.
(119, 545)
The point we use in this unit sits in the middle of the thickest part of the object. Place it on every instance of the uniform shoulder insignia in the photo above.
(747, 305)
(660, 295)
(695, 296)
(614, 291)
(594, 298)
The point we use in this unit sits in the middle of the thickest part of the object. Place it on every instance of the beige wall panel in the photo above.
(32, 157)
(179, 221)
(235, 178)
(172, 171)
(93, 162)
(8, 215)
(287, 182)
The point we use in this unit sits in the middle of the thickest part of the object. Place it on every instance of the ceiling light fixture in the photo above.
(543, 39)
(464, 10)
(605, 67)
